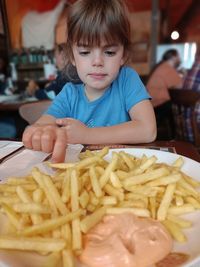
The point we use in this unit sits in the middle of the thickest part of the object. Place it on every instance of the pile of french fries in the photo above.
(50, 214)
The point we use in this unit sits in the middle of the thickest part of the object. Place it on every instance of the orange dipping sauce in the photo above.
(125, 240)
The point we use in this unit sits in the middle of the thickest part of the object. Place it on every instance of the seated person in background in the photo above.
(7, 124)
(6, 86)
(164, 76)
(63, 76)
(7, 128)
(110, 105)
(192, 82)
(2, 77)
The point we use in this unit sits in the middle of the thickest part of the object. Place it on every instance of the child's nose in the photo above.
(97, 60)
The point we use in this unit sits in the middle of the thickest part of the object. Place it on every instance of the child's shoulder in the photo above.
(127, 72)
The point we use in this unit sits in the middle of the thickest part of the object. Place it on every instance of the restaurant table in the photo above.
(180, 147)
(183, 148)
(13, 102)
(9, 107)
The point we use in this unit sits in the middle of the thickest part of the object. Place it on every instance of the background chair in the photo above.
(31, 112)
(183, 108)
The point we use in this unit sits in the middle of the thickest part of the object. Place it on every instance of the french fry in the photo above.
(87, 162)
(115, 180)
(144, 166)
(52, 260)
(12, 188)
(50, 224)
(186, 208)
(111, 167)
(127, 160)
(146, 177)
(179, 200)
(74, 191)
(179, 221)
(32, 244)
(9, 200)
(191, 181)
(53, 192)
(178, 163)
(152, 203)
(68, 258)
(110, 190)
(66, 233)
(175, 231)
(24, 196)
(66, 186)
(165, 203)
(173, 178)
(193, 202)
(108, 200)
(94, 182)
(84, 199)
(13, 217)
(91, 220)
(76, 235)
(38, 195)
(38, 178)
(31, 208)
(62, 166)
(135, 211)
(188, 187)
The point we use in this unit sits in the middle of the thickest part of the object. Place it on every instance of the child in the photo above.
(111, 105)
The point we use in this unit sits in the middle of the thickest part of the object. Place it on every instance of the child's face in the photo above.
(97, 66)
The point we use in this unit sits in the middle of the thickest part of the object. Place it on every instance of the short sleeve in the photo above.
(60, 107)
(134, 90)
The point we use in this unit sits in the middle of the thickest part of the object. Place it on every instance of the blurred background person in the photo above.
(163, 76)
(65, 74)
(7, 124)
(6, 85)
(192, 82)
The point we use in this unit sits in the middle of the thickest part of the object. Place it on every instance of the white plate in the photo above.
(192, 168)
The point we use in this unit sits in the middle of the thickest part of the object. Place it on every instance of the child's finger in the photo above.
(60, 146)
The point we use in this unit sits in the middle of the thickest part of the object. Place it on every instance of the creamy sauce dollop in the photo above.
(125, 240)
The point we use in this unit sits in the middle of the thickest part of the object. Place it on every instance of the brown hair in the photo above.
(90, 21)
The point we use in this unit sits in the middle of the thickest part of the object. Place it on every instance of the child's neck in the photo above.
(93, 94)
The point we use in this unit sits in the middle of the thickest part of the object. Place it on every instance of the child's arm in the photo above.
(141, 129)
(46, 135)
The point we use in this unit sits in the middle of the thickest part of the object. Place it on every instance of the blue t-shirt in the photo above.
(110, 109)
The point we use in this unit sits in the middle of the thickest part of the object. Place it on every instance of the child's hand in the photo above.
(47, 138)
(77, 132)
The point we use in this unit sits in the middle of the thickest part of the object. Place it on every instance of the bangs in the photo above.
(95, 35)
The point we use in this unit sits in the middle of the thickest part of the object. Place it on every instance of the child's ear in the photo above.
(123, 60)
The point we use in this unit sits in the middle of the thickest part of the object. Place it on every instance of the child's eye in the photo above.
(110, 53)
(84, 53)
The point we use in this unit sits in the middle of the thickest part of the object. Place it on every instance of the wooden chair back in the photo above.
(183, 101)
(31, 112)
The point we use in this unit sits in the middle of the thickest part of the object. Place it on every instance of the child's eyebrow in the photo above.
(102, 46)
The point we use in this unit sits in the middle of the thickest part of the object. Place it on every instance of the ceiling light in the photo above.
(175, 35)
